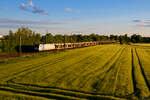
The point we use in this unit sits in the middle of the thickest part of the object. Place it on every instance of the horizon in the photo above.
(104, 17)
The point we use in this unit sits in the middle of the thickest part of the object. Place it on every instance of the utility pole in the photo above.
(46, 39)
(64, 41)
(20, 45)
(46, 35)
(72, 40)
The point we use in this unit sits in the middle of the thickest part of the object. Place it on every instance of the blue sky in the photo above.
(77, 16)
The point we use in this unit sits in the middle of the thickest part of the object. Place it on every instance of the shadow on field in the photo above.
(33, 94)
(137, 91)
(53, 92)
(142, 70)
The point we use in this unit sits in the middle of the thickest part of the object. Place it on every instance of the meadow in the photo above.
(103, 72)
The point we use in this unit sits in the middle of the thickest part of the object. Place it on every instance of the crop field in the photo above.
(103, 72)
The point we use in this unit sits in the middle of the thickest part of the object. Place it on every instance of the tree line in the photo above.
(133, 39)
(26, 37)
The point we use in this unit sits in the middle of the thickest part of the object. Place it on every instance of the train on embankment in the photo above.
(61, 46)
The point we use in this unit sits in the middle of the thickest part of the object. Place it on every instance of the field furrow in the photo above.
(105, 87)
(56, 93)
(144, 57)
(140, 85)
(124, 84)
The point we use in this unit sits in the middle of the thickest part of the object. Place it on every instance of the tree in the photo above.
(58, 38)
(113, 37)
(80, 38)
(36, 38)
(23, 36)
(48, 38)
(104, 38)
(120, 39)
(136, 38)
(93, 37)
(73, 38)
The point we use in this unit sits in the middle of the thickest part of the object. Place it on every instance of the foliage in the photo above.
(48, 38)
(136, 38)
(12, 41)
(124, 39)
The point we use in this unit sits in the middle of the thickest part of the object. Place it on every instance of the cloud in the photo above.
(40, 11)
(33, 9)
(23, 7)
(138, 20)
(10, 26)
(30, 3)
(25, 22)
(68, 9)
(142, 23)
(6, 23)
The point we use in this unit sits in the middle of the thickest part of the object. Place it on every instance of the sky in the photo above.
(76, 16)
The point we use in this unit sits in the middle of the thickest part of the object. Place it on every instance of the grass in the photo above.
(13, 96)
(105, 72)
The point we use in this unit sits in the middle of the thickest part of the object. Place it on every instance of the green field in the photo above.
(104, 72)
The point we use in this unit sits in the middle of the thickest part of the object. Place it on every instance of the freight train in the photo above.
(58, 46)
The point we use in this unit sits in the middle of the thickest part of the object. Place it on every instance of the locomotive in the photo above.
(58, 46)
